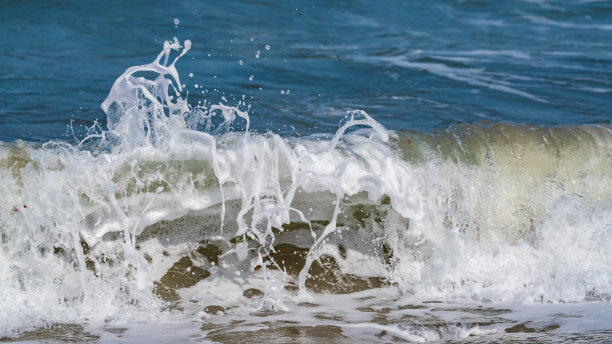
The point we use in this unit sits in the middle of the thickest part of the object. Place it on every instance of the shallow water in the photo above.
(366, 317)
(343, 173)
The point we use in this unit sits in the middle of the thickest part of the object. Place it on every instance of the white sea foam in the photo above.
(494, 214)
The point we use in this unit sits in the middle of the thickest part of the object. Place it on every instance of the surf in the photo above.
(167, 208)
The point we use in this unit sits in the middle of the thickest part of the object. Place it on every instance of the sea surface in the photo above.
(343, 171)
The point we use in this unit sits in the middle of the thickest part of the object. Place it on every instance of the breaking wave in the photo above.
(167, 205)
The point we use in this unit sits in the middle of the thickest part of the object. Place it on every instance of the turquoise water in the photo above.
(409, 64)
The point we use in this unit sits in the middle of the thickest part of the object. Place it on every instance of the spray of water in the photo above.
(167, 206)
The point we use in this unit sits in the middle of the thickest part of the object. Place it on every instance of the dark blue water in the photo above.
(411, 65)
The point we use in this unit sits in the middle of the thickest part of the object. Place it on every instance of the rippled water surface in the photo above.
(412, 65)
(340, 172)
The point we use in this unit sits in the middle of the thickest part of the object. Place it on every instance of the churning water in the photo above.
(370, 172)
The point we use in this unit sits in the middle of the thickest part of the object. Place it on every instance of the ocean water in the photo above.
(343, 172)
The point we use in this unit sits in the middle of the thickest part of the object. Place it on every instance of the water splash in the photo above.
(170, 214)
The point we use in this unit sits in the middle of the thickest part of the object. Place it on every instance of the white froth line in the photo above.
(470, 76)
(495, 53)
(569, 25)
(390, 329)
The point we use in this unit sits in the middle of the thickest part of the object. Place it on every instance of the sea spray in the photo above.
(152, 218)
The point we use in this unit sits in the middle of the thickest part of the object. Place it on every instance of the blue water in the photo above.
(141, 230)
(411, 65)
